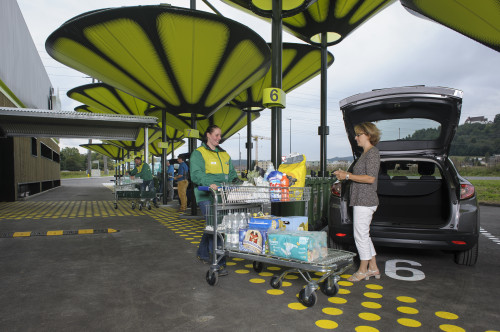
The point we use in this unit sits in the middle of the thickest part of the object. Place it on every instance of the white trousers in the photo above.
(362, 220)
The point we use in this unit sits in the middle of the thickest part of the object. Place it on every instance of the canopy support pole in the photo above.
(249, 145)
(323, 129)
(164, 156)
(276, 81)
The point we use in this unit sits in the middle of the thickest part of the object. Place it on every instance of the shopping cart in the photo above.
(129, 189)
(230, 199)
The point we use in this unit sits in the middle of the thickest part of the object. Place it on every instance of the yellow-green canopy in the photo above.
(264, 8)
(138, 144)
(229, 119)
(109, 150)
(300, 63)
(337, 18)
(156, 151)
(108, 99)
(476, 19)
(184, 61)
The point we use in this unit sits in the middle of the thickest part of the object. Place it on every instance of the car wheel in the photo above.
(467, 257)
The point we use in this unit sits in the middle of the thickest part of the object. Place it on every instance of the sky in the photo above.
(393, 48)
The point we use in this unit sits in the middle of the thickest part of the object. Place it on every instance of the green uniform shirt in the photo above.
(143, 171)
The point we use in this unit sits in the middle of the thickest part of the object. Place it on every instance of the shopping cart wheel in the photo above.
(329, 290)
(308, 302)
(276, 282)
(212, 277)
(116, 206)
(258, 267)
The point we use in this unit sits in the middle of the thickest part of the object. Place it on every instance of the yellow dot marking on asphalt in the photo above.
(319, 274)
(332, 311)
(326, 324)
(257, 281)
(365, 329)
(297, 306)
(374, 287)
(85, 231)
(51, 233)
(406, 299)
(184, 235)
(369, 316)
(451, 328)
(286, 284)
(291, 277)
(230, 263)
(273, 268)
(337, 300)
(242, 271)
(345, 283)
(238, 259)
(274, 291)
(195, 242)
(446, 315)
(249, 266)
(345, 276)
(189, 238)
(21, 234)
(266, 274)
(344, 291)
(408, 310)
(372, 295)
(371, 305)
(409, 322)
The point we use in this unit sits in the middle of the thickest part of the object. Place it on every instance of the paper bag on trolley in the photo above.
(295, 167)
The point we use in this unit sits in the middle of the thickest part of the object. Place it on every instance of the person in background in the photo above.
(143, 171)
(363, 198)
(170, 182)
(182, 183)
(210, 166)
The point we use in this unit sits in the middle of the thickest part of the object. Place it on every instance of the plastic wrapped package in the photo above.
(303, 246)
(294, 223)
(267, 222)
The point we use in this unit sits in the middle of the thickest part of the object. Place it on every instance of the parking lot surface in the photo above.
(71, 261)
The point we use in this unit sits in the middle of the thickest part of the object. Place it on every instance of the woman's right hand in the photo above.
(213, 186)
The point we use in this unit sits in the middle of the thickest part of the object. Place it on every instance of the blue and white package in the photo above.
(253, 240)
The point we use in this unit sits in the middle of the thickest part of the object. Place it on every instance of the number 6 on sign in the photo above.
(274, 97)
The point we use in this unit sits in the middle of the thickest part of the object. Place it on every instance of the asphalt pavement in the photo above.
(71, 261)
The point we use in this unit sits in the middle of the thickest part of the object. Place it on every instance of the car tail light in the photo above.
(340, 234)
(466, 191)
(459, 242)
(335, 189)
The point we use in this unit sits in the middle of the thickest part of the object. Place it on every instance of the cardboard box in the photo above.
(268, 222)
(295, 223)
(253, 240)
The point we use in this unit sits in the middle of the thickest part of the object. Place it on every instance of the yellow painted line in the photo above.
(21, 234)
(50, 233)
(111, 230)
(85, 231)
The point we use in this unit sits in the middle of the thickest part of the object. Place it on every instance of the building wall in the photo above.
(23, 83)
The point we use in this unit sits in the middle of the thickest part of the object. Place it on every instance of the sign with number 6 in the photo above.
(274, 97)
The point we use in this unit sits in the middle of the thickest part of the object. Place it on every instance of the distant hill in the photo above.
(471, 139)
(349, 158)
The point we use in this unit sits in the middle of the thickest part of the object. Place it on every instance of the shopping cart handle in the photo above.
(203, 188)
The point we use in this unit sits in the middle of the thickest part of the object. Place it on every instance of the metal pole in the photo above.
(146, 144)
(276, 67)
(323, 130)
(164, 155)
(290, 119)
(192, 147)
(249, 141)
(89, 160)
(239, 152)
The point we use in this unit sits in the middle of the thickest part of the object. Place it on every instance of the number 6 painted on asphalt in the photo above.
(391, 270)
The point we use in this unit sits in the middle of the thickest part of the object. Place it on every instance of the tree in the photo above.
(72, 160)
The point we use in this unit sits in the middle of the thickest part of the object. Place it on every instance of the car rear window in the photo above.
(401, 169)
(412, 129)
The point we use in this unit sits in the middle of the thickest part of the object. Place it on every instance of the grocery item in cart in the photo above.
(274, 179)
(267, 222)
(253, 240)
(303, 246)
(295, 223)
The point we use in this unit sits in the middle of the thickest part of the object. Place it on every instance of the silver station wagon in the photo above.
(423, 201)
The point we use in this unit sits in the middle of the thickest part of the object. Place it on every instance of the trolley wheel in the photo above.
(212, 277)
(258, 267)
(133, 206)
(308, 302)
(331, 290)
(276, 282)
(116, 206)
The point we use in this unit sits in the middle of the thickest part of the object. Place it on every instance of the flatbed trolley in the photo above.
(127, 189)
(228, 199)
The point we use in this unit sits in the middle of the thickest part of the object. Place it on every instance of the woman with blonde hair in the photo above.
(363, 197)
